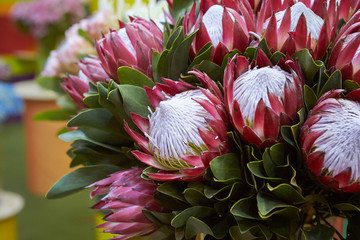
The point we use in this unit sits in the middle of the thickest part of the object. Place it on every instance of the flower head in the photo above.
(76, 87)
(126, 196)
(260, 100)
(184, 133)
(330, 140)
(92, 69)
(224, 27)
(132, 46)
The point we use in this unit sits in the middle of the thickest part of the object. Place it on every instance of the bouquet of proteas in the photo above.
(236, 119)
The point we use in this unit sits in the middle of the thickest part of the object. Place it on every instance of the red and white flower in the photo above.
(184, 133)
(260, 100)
(330, 140)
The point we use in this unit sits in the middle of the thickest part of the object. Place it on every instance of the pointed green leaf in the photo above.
(195, 226)
(286, 193)
(55, 115)
(350, 85)
(309, 97)
(196, 211)
(80, 178)
(204, 54)
(226, 167)
(334, 82)
(266, 203)
(246, 208)
(131, 76)
(135, 99)
(308, 65)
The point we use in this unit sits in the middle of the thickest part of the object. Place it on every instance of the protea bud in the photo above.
(76, 87)
(133, 46)
(296, 28)
(224, 27)
(126, 196)
(330, 140)
(92, 69)
(184, 133)
(260, 100)
(345, 53)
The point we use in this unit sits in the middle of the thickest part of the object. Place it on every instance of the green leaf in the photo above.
(276, 57)
(204, 54)
(334, 82)
(155, 61)
(308, 65)
(264, 46)
(51, 83)
(350, 85)
(319, 232)
(309, 97)
(135, 99)
(250, 53)
(131, 76)
(211, 69)
(80, 178)
(195, 226)
(180, 7)
(54, 115)
(79, 135)
(165, 232)
(85, 35)
(226, 167)
(347, 207)
(172, 189)
(286, 193)
(267, 204)
(246, 208)
(196, 211)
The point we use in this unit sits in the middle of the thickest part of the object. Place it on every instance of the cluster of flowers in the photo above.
(279, 63)
(63, 59)
(42, 15)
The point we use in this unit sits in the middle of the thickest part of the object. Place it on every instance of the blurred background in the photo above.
(32, 158)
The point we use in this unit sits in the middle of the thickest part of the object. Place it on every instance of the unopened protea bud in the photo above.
(330, 141)
(76, 87)
(260, 100)
(296, 28)
(224, 27)
(184, 133)
(126, 196)
(133, 46)
(92, 69)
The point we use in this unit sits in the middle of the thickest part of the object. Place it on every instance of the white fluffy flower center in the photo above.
(174, 129)
(340, 141)
(256, 84)
(313, 21)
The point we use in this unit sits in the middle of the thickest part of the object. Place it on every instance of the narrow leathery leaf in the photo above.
(79, 135)
(250, 53)
(161, 66)
(334, 82)
(179, 62)
(80, 178)
(204, 54)
(211, 69)
(131, 76)
(197, 211)
(309, 97)
(246, 208)
(319, 232)
(55, 115)
(226, 167)
(277, 154)
(287, 135)
(195, 198)
(92, 100)
(266, 231)
(175, 38)
(347, 207)
(154, 63)
(276, 57)
(264, 46)
(268, 164)
(135, 99)
(286, 193)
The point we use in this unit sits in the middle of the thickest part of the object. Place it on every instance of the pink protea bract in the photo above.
(260, 100)
(92, 69)
(330, 141)
(76, 87)
(133, 46)
(296, 28)
(187, 129)
(224, 27)
(126, 196)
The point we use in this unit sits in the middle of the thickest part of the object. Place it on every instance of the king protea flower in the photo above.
(345, 53)
(224, 27)
(126, 196)
(76, 87)
(133, 46)
(296, 28)
(330, 140)
(184, 133)
(260, 100)
(91, 67)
